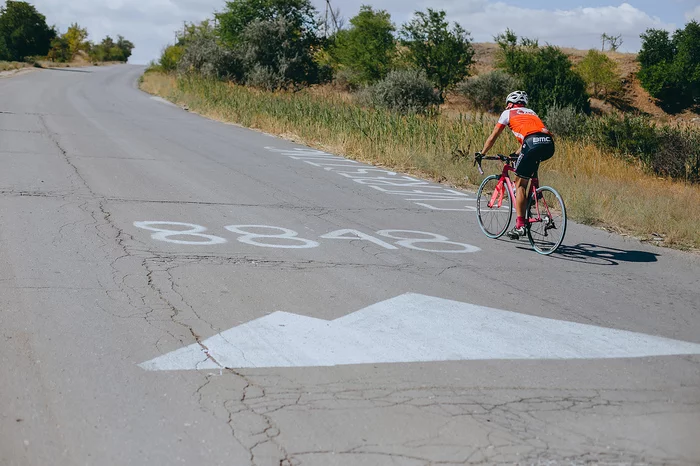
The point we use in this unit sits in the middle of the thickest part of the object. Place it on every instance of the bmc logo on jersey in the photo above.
(542, 140)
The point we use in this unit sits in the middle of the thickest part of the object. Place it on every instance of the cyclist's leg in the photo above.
(520, 200)
(525, 168)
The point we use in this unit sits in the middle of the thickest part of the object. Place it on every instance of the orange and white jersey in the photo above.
(523, 122)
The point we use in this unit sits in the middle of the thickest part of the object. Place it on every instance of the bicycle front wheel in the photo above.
(494, 207)
(547, 231)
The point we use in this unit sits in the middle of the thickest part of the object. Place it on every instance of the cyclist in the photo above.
(536, 145)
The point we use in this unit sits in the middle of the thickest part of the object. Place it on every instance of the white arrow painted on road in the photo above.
(411, 328)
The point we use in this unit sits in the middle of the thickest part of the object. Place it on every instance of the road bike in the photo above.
(545, 214)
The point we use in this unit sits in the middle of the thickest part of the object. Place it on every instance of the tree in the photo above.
(600, 73)
(23, 32)
(101, 52)
(545, 72)
(60, 50)
(274, 56)
(192, 31)
(76, 38)
(203, 54)
(445, 55)
(614, 42)
(125, 47)
(108, 50)
(670, 66)
(238, 14)
(170, 58)
(366, 49)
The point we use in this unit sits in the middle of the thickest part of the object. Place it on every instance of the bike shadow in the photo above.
(602, 255)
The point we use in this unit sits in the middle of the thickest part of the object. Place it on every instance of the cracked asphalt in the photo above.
(86, 296)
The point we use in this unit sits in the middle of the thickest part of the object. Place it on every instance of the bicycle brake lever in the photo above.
(477, 162)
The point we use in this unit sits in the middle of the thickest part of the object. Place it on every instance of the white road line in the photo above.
(402, 184)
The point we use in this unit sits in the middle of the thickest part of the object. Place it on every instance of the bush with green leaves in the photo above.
(60, 50)
(272, 49)
(488, 92)
(109, 50)
(403, 91)
(629, 135)
(546, 74)
(170, 58)
(566, 122)
(346, 80)
(670, 66)
(204, 55)
(679, 153)
(444, 54)
(366, 50)
(264, 77)
(601, 74)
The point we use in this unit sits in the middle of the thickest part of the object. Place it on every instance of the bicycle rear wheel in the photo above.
(547, 234)
(493, 218)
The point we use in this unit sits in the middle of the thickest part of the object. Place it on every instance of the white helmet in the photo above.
(517, 97)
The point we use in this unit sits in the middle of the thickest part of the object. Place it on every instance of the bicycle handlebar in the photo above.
(478, 157)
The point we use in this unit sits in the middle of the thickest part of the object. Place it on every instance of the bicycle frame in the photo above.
(505, 181)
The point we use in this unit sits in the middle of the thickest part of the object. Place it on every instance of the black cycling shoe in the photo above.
(516, 233)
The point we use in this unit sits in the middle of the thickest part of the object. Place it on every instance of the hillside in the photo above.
(634, 98)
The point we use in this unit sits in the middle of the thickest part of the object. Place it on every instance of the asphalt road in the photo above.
(351, 343)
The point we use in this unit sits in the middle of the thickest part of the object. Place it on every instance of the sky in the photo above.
(150, 24)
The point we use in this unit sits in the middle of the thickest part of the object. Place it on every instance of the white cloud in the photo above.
(693, 14)
(579, 27)
(151, 24)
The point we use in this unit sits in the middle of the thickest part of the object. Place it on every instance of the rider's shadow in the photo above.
(602, 255)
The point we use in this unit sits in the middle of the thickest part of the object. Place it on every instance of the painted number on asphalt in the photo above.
(268, 236)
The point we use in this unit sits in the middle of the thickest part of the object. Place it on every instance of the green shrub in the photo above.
(629, 135)
(679, 154)
(546, 74)
(566, 122)
(109, 50)
(488, 92)
(264, 77)
(669, 151)
(276, 46)
(346, 80)
(403, 91)
(170, 58)
(205, 56)
(600, 73)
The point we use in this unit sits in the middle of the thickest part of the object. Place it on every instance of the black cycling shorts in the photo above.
(536, 148)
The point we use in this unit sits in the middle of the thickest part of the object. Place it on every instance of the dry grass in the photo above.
(598, 188)
(12, 65)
